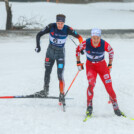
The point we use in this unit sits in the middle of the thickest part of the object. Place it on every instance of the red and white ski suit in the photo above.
(96, 64)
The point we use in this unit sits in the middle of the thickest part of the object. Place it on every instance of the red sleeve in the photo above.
(80, 47)
(109, 49)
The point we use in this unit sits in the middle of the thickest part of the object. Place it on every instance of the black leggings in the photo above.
(53, 55)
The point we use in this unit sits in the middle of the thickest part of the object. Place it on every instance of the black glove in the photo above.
(38, 49)
(109, 67)
(82, 52)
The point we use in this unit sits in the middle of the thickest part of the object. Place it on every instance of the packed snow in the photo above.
(79, 16)
(22, 73)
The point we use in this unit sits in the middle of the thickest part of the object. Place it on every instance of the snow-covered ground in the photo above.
(80, 16)
(22, 72)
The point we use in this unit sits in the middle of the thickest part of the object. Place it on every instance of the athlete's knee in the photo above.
(91, 83)
(47, 64)
(60, 71)
(90, 88)
(60, 77)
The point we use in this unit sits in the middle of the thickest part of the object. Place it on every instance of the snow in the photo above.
(81, 16)
(22, 72)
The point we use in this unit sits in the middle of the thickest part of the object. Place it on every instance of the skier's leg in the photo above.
(49, 62)
(60, 73)
(48, 69)
(106, 79)
(91, 77)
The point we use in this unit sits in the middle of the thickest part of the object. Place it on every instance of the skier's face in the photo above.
(60, 25)
(95, 40)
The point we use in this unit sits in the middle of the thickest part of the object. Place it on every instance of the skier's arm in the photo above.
(41, 33)
(110, 51)
(75, 34)
(81, 47)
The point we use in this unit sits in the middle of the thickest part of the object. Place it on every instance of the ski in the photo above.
(90, 116)
(87, 117)
(28, 96)
(123, 115)
(127, 117)
(63, 106)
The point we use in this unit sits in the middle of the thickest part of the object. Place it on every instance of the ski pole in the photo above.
(71, 83)
(82, 52)
(73, 41)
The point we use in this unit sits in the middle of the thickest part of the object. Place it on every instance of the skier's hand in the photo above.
(38, 49)
(80, 65)
(110, 67)
(82, 52)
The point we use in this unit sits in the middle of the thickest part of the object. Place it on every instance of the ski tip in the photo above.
(131, 118)
(128, 117)
(6, 97)
(87, 117)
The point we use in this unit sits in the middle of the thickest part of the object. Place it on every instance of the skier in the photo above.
(58, 33)
(94, 48)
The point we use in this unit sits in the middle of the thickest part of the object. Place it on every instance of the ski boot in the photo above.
(116, 108)
(43, 93)
(61, 99)
(119, 113)
(89, 111)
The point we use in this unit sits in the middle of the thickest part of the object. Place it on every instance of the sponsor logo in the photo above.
(55, 40)
(52, 33)
(108, 81)
(88, 52)
(106, 76)
(60, 35)
(60, 65)
(75, 32)
(47, 63)
(60, 59)
(47, 59)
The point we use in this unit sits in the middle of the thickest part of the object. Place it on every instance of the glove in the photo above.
(80, 65)
(38, 49)
(82, 52)
(109, 67)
